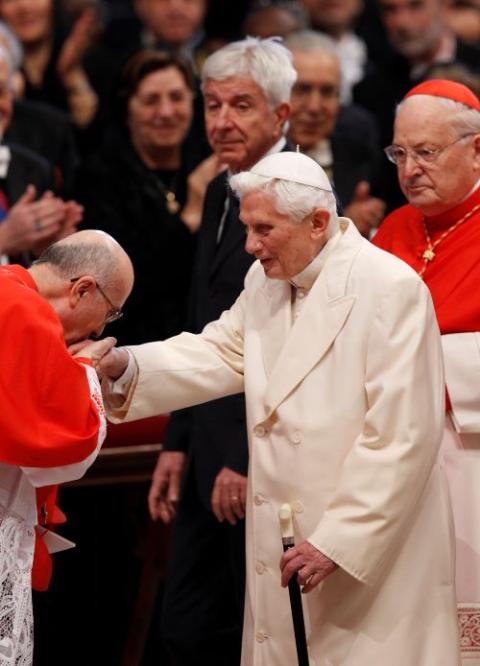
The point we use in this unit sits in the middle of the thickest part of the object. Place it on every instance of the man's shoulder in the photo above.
(21, 305)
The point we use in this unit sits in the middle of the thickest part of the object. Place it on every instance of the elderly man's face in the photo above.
(315, 97)
(333, 16)
(437, 186)
(284, 248)
(241, 126)
(414, 27)
(172, 21)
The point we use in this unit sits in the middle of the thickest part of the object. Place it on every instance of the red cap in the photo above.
(448, 90)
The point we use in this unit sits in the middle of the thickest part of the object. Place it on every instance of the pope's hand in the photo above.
(114, 364)
(93, 350)
(310, 565)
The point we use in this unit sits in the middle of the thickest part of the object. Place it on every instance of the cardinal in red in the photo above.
(437, 152)
(52, 421)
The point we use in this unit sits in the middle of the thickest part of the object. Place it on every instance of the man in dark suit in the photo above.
(246, 89)
(350, 162)
(420, 37)
(27, 224)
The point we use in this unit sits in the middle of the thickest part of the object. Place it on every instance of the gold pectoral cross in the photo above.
(429, 254)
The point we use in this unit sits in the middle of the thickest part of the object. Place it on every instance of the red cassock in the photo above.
(51, 426)
(47, 417)
(453, 277)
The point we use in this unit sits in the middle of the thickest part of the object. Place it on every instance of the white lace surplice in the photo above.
(18, 517)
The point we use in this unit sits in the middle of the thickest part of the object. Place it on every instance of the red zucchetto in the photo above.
(447, 89)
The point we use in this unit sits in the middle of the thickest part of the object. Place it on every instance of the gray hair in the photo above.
(466, 120)
(71, 260)
(265, 61)
(309, 41)
(293, 199)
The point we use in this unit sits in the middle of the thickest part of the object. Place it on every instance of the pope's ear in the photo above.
(320, 219)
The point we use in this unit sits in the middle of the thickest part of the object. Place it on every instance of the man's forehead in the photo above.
(316, 66)
(234, 86)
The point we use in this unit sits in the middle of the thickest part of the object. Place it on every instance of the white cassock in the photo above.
(345, 415)
(461, 456)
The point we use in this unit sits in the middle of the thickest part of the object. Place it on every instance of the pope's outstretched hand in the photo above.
(114, 364)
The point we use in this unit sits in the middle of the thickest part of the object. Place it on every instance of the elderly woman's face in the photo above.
(30, 20)
(160, 111)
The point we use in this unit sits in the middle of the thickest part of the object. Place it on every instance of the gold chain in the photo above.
(429, 254)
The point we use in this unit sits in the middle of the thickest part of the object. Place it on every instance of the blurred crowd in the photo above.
(102, 121)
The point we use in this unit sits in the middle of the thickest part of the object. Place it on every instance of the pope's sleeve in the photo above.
(185, 370)
(387, 469)
(52, 411)
(462, 375)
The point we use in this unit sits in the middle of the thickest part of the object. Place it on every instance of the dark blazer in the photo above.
(124, 198)
(26, 168)
(47, 132)
(214, 433)
(353, 161)
(385, 85)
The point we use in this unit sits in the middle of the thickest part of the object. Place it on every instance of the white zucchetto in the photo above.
(294, 167)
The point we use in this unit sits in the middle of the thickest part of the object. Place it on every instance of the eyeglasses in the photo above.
(398, 154)
(115, 313)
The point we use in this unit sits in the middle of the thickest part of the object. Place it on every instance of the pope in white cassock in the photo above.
(336, 346)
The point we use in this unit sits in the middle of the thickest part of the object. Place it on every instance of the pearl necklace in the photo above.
(429, 254)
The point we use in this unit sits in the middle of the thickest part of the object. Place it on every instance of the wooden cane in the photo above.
(286, 528)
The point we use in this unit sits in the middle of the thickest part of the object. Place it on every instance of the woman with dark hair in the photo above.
(61, 65)
(135, 186)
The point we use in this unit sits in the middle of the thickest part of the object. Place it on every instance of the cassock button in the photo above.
(300, 293)
(297, 437)
(259, 431)
(298, 506)
(260, 636)
(258, 500)
(260, 568)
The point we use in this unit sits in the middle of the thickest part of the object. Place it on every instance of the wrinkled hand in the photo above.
(197, 183)
(229, 496)
(310, 565)
(113, 365)
(93, 350)
(165, 488)
(366, 211)
(33, 225)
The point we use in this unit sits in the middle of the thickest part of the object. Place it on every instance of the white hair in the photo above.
(466, 120)
(265, 61)
(309, 41)
(293, 199)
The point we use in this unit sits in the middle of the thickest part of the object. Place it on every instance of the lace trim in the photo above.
(16, 615)
(469, 628)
